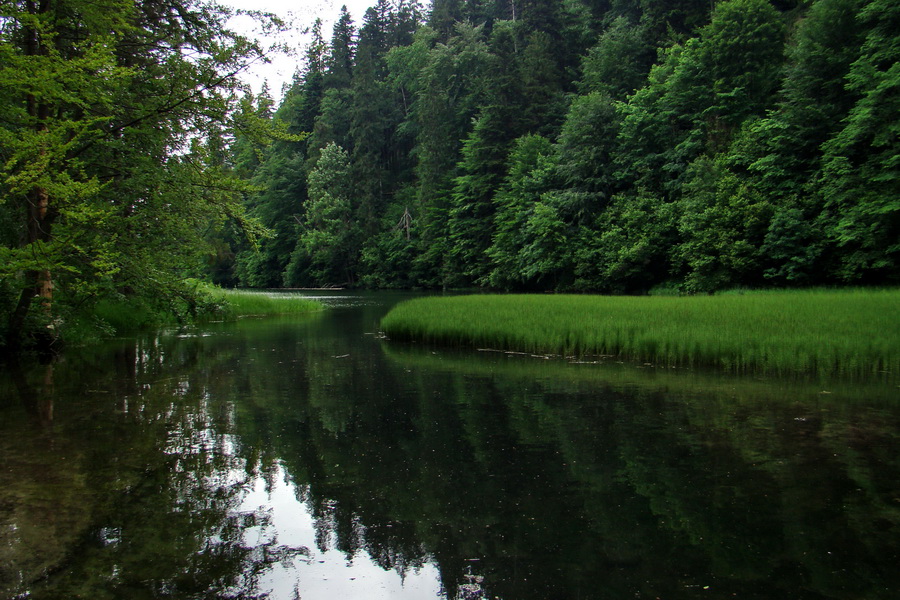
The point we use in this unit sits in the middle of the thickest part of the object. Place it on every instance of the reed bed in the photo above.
(233, 304)
(853, 332)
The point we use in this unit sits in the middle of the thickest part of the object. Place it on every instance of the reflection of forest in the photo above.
(549, 486)
(131, 487)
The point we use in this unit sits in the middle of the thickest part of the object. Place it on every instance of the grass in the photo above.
(203, 304)
(853, 332)
(234, 304)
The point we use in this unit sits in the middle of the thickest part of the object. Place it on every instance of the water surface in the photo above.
(309, 458)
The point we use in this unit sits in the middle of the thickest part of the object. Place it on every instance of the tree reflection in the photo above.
(516, 482)
(156, 479)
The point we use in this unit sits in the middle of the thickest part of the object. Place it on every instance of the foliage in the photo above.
(722, 221)
(629, 247)
(328, 240)
(520, 211)
(115, 120)
(620, 61)
(861, 178)
(579, 145)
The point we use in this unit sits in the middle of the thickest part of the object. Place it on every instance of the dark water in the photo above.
(307, 458)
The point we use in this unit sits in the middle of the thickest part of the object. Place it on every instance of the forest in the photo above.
(603, 146)
(612, 146)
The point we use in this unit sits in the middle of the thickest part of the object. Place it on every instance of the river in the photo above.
(308, 458)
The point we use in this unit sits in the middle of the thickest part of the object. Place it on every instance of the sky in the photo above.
(301, 14)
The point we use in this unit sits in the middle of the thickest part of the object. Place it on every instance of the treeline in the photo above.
(585, 145)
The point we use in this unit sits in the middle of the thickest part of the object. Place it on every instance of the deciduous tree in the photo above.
(106, 106)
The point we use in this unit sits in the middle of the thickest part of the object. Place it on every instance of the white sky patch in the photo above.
(325, 575)
(300, 15)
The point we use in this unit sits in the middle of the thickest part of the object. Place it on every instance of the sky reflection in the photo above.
(322, 572)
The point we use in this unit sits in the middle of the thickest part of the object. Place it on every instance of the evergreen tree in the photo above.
(372, 115)
(342, 50)
(520, 241)
(328, 246)
(543, 101)
(587, 147)
(783, 152)
(813, 99)
(482, 166)
(444, 16)
(697, 99)
(734, 159)
(405, 21)
(282, 177)
(452, 84)
(671, 21)
(620, 61)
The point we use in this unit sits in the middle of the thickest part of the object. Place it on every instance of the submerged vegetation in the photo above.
(852, 332)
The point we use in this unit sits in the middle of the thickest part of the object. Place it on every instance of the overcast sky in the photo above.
(302, 14)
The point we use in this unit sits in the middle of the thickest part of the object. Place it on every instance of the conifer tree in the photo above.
(327, 250)
(342, 51)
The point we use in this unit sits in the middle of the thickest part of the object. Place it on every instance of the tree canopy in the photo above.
(116, 128)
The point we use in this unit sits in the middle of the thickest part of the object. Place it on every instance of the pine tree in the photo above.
(444, 15)
(343, 47)
(514, 260)
(620, 61)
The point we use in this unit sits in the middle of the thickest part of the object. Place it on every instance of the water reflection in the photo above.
(322, 571)
(305, 458)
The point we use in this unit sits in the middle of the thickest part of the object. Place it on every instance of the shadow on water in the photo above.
(308, 458)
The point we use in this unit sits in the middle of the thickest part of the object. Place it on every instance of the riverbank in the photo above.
(204, 304)
(850, 332)
(234, 304)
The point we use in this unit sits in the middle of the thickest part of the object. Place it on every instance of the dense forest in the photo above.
(614, 146)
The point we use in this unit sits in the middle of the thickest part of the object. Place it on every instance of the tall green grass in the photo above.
(854, 332)
(233, 304)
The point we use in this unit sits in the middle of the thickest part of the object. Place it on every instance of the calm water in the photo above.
(308, 458)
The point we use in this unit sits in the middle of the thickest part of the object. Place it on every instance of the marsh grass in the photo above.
(129, 315)
(853, 332)
(229, 305)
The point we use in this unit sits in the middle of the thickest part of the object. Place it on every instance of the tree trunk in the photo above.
(40, 222)
(38, 282)
(38, 213)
